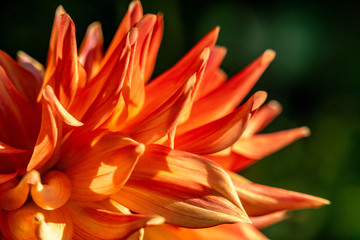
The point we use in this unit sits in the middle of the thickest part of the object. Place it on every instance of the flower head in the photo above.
(90, 148)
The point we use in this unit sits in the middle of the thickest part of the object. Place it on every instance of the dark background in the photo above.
(315, 76)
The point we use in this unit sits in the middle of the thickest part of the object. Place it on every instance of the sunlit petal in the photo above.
(186, 189)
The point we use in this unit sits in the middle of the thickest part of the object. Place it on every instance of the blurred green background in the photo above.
(315, 76)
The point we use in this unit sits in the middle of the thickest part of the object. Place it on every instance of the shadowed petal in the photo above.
(24, 81)
(186, 189)
(31, 222)
(19, 120)
(47, 139)
(30, 64)
(259, 199)
(98, 163)
(93, 222)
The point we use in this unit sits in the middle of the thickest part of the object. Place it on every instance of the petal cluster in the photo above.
(92, 148)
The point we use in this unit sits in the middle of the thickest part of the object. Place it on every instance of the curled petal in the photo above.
(259, 199)
(92, 222)
(186, 189)
(99, 163)
(229, 95)
(31, 222)
(53, 192)
(262, 145)
(6, 149)
(47, 139)
(14, 193)
(57, 107)
(220, 134)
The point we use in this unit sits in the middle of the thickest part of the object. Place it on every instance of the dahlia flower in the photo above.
(90, 148)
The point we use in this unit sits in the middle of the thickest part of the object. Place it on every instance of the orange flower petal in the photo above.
(92, 222)
(220, 134)
(134, 89)
(231, 160)
(229, 95)
(234, 231)
(186, 189)
(153, 48)
(98, 163)
(33, 66)
(132, 16)
(101, 95)
(24, 81)
(264, 221)
(262, 118)
(210, 80)
(7, 177)
(53, 192)
(163, 120)
(91, 49)
(46, 141)
(57, 107)
(31, 222)
(66, 78)
(259, 199)
(164, 86)
(19, 120)
(262, 145)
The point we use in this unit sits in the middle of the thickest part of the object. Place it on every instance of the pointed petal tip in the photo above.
(133, 35)
(259, 99)
(134, 4)
(60, 10)
(268, 56)
(275, 106)
(306, 132)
